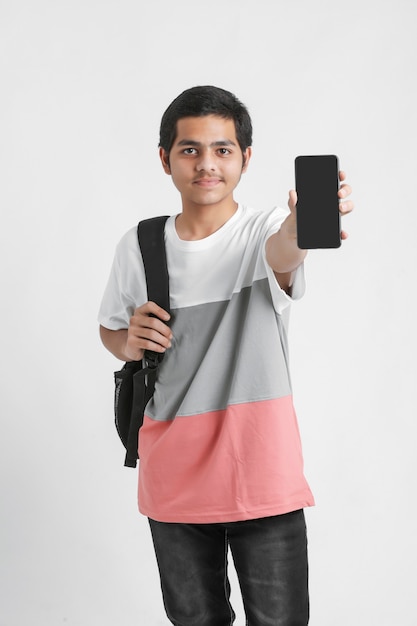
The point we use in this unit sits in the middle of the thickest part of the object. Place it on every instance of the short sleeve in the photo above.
(126, 286)
(280, 298)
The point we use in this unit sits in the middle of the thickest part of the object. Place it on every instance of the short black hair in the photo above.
(202, 101)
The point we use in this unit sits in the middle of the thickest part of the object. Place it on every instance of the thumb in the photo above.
(292, 200)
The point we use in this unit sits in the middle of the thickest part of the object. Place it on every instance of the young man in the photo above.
(220, 454)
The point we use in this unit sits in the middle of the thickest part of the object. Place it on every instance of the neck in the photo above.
(198, 223)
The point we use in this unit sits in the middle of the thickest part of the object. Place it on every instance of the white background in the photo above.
(83, 86)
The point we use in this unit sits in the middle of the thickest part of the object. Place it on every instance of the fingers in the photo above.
(151, 308)
(346, 206)
(148, 330)
(345, 190)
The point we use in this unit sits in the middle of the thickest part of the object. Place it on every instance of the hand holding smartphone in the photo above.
(318, 216)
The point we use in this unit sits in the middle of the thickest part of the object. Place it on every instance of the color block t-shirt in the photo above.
(220, 439)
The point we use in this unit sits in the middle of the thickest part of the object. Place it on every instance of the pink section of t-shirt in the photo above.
(244, 462)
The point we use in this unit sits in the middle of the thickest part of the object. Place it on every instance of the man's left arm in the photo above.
(282, 253)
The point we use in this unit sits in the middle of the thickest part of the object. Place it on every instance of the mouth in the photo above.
(207, 182)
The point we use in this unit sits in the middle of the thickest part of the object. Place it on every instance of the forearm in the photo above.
(116, 342)
(282, 253)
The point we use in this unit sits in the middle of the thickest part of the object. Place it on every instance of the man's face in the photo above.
(205, 161)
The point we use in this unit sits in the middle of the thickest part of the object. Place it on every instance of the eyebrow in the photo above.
(197, 144)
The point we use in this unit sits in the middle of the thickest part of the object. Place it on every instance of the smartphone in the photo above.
(318, 217)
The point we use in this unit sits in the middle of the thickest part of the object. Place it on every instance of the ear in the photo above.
(246, 158)
(164, 156)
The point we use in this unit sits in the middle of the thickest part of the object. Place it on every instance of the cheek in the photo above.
(178, 173)
(234, 170)
(180, 178)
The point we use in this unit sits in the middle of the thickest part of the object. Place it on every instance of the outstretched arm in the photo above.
(282, 253)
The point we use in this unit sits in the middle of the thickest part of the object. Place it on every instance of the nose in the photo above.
(206, 161)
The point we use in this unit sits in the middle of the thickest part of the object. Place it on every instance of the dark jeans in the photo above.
(270, 557)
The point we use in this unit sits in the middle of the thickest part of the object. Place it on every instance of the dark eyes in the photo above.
(220, 151)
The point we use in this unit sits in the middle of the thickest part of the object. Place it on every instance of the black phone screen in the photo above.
(318, 217)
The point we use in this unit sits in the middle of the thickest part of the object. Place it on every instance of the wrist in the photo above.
(129, 351)
(289, 228)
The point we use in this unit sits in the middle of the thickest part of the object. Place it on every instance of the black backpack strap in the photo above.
(135, 383)
(151, 236)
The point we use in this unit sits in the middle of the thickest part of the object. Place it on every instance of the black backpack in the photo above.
(135, 382)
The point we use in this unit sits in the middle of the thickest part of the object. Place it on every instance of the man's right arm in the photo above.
(115, 342)
(147, 331)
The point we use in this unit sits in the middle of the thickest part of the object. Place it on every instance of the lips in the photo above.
(207, 182)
